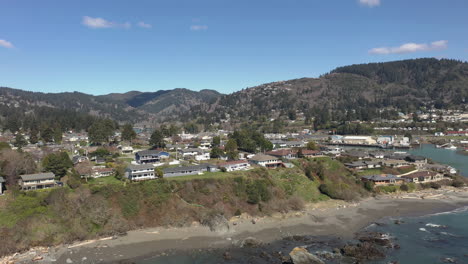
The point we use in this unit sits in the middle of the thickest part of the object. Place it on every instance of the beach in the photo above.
(330, 218)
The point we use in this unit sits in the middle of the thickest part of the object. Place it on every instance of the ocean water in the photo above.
(435, 238)
(428, 239)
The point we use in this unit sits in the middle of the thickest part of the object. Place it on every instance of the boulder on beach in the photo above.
(302, 256)
(251, 242)
(217, 223)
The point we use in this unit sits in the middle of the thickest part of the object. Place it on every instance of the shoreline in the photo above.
(331, 218)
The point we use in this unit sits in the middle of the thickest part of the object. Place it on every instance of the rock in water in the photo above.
(363, 251)
(302, 256)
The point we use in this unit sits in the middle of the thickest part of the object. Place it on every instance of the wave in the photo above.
(423, 229)
(435, 225)
(456, 211)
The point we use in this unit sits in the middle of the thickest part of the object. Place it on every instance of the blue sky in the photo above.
(105, 46)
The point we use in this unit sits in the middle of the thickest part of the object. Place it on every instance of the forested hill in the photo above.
(351, 92)
(363, 92)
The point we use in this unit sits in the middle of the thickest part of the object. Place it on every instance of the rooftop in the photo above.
(38, 176)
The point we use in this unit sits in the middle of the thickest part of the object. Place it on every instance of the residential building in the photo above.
(395, 163)
(79, 159)
(37, 181)
(266, 161)
(308, 153)
(419, 161)
(101, 172)
(423, 176)
(2, 182)
(283, 153)
(150, 156)
(127, 150)
(359, 165)
(235, 165)
(384, 179)
(140, 172)
(189, 170)
(194, 153)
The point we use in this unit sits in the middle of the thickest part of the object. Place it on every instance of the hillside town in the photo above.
(215, 153)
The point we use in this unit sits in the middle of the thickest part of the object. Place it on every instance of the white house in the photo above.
(140, 172)
(266, 161)
(195, 153)
(235, 165)
(37, 181)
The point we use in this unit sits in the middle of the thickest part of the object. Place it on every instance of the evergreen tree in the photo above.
(157, 139)
(20, 141)
(128, 134)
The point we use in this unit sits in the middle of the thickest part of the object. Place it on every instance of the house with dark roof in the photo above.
(2, 182)
(383, 179)
(423, 176)
(360, 165)
(194, 153)
(419, 161)
(150, 156)
(140, 172)
(283, 153)
(235, 165)
(37, 181)
(189, 170)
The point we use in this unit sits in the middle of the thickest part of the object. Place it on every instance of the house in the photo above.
(423, 176)
(360, 165)
(101, 172)
(2, 181)
(283, 153)
(235, 165)
(287, 144)
(37, 181)
(150, 156)
(357, 154)
(127, 150)
(419, 161)
(266, 161)
(189, 170)
(383, 179)
(140, 172)
(194, 153)
(393, 163)
(308, 153)
(205, 144)
(79, 159)
(377, 155)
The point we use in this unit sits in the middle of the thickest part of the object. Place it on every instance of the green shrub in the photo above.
(388, 188)
(435, 185)
(237, 212)
(257, 191)
(369, 186)
(339, 191)
(458, 183)
(404, 188)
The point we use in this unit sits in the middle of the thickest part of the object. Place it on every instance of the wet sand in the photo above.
(331, 218)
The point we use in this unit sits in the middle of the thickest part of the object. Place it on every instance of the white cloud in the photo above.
(144, 25)
(198, 27)
(6, 44)
(370, 3)
(411, 47)
(97, 22)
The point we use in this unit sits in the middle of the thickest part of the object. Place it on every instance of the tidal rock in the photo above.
(363, 251)
(375, 238)
(251, 242)
(449, 260)
(302, 256)
(398, 222)
(227, 256)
